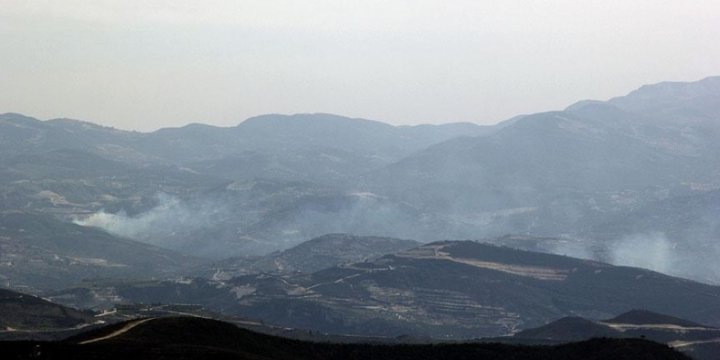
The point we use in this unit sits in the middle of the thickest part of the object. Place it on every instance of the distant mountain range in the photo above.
(321, 147)
(559, 168)
(603, 177)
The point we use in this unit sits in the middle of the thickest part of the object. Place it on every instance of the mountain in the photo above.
(189, 212)
(23, 135)
(604, 174)
(578, 173)
(194, 338)
(22, 312)
(322, 141)
(370, 138)
(698, 100)
(39, 253)
(62, 163)
(81, 181)
(443, 290)
(322, 148)
(315, 254)
(541, 160)
(186, 188)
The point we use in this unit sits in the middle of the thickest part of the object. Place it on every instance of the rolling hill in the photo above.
(39, 253)
(698, 341)
(315, 254)
(443, 290)
(195, 338)
(22, 312)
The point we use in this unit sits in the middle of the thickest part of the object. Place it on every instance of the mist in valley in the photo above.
(210, 227)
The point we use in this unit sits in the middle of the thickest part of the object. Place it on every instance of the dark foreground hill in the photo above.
(196, 338)
(570, 328)
(696, 340)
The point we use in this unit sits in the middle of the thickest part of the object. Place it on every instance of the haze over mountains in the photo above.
(276, 180)
(538, 227)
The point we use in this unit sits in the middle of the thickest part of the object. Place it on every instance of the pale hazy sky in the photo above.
(149, 64)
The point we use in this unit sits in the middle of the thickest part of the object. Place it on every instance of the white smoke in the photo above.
(163, 225)
(650, 251)
(166, 215)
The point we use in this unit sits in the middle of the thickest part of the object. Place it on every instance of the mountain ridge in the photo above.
(192, 338)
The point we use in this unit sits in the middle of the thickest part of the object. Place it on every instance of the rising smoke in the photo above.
(210, 228)
(696, 259)
(164, 225)
(650, 251)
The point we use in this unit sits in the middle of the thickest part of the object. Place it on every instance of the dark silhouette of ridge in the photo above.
(198, 338)
(569, 328)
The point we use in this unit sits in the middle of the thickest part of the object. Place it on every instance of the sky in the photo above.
(143, 65)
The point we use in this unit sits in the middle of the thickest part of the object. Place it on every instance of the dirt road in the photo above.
(120, 331)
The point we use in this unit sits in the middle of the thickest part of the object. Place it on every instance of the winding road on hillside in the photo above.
(128, 326)
(679, 344)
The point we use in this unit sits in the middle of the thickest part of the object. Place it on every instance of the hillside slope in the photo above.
(39, 252)
(698, 341)
(451, 289)
(316, 254)
(22, 312)
(193, 338)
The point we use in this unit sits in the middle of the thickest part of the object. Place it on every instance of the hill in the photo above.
(22, 312)
(316, 254)
(443, 290)
(195, 338)
(644, 317)
(569, 329)
(39, 252)
(698, 341)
